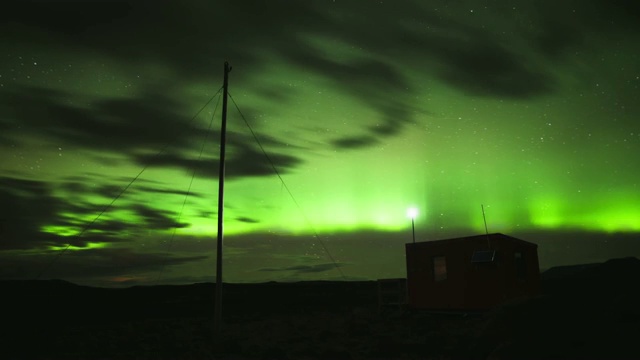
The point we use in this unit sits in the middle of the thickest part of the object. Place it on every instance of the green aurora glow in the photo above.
(363, 121)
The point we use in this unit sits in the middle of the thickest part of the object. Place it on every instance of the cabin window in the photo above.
(439, 268)
(483, 256)
(521, 266)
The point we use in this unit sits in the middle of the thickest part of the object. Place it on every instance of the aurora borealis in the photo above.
(367, 108)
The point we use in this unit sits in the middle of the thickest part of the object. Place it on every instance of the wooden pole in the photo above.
(217, 315)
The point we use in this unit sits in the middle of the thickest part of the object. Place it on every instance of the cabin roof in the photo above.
(492, 236)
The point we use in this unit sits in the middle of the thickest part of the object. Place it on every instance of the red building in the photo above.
(471, 273)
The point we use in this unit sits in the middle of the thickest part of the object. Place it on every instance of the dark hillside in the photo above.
(585, 311)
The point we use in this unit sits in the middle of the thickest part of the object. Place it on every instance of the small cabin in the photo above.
(471, 273)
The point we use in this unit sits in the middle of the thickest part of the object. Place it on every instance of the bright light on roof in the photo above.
(412, 212)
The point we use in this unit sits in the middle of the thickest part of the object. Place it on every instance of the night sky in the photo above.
(366, 108)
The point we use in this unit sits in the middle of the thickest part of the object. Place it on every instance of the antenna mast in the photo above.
(486, 230)
(217, 314)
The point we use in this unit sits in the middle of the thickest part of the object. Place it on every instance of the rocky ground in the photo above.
(590, 312)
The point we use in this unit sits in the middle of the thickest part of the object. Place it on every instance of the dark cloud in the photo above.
(302, 269)
(26, 206)
(81, 208)
(564, 26)
(167, 191)
(90, 264)
(369, 82)
(117, 125)
(275, 93)
(246, 161)
(470, 55)
(134, 25)
(126, 180)
(249, 161)
(556, 35)
(29, 207)
(128, 125)
(206, 214)
(247, 220)
(140, 31)
(74, 207)
(485, 68)
(110, 191)
(355, 142)
(157, 219)
(474, 61)
(128, 258)
(75, 187)
(105, 231)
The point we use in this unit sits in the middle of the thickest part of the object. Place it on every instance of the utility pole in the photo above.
(217, 314)
(486, 230)
(413, 230)
(412, 213)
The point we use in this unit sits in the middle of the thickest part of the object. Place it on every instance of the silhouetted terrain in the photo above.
(585, 311)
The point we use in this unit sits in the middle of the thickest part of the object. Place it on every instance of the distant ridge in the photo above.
(620, 274)
(57, 283)
(610, 271)
(610, 265)
(587, 311)
(566, 270)
(52, 283)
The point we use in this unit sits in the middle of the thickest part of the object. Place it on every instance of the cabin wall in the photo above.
(471, 285)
